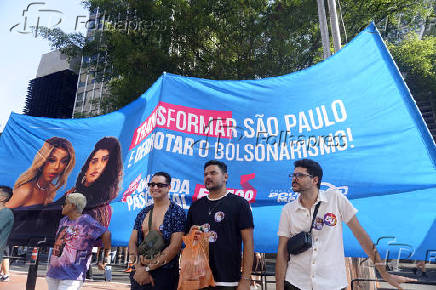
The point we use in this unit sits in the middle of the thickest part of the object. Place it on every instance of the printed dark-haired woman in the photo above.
(99, 179)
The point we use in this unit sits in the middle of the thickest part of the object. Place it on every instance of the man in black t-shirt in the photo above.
(229, 220)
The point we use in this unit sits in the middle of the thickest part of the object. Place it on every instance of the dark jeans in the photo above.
(164, 279)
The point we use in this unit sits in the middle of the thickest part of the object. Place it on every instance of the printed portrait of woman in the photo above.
(99, 179)
(49, 171)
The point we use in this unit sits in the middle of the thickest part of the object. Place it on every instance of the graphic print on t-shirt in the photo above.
(205, 228)
(330, 219)
(213, 237)
(72, 248)
(60, 243)
(219, 216)
(318, 224)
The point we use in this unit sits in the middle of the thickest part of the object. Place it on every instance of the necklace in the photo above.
(217, 203)
(41, 188)
(213, 208)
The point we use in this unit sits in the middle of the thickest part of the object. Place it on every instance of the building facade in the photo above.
(52, 92)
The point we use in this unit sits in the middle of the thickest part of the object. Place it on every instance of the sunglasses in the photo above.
(159, 185)
(299, 175)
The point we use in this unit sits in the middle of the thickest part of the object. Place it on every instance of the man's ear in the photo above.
(315, 180)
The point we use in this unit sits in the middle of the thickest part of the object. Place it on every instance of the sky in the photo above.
(21, 51)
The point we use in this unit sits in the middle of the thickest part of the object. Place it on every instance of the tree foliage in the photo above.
(136, 40)
(416, 59)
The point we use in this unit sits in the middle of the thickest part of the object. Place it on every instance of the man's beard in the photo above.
(214, 187)
(296, 188)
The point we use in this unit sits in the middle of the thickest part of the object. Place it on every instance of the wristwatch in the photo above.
(147, 268)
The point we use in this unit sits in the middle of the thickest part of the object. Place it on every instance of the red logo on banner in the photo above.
(132, 187)
(186, 120)
(248, 191)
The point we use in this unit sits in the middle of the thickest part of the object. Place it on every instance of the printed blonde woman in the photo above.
(49, 171)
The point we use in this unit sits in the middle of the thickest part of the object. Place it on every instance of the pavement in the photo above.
(426, 282)
(18, 278)
(120, 279)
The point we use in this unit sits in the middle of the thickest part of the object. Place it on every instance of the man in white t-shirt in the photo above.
(322, 266)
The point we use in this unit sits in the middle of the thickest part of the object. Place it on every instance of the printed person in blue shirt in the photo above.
(229, 219)
(6, 224)
(161, 272)
(72, 250)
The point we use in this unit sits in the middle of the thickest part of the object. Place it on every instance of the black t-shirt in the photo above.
(224, 218)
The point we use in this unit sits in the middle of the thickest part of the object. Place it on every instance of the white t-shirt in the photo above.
(323, 265)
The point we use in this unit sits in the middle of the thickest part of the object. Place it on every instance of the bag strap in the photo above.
(150, 219)
(315, 212)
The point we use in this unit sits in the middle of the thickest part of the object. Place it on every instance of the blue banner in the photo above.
(352, 113)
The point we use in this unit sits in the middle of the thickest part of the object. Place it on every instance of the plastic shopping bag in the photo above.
(195, 272)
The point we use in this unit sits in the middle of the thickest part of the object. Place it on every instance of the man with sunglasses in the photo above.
(162, 271)
(321, 266)
(76, 235)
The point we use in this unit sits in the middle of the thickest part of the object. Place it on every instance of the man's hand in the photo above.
(396, 280)
(243, 285)
(132, 258)
(144, 261)
(370, 249)
(197, 231)
(101, 265)
(142, 277)
(107, 260)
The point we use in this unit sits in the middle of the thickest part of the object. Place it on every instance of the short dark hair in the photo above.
(220, 164)
(6, 191)
(164, 174)
(313, 168)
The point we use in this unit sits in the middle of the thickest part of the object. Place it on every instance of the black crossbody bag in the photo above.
(302, 241)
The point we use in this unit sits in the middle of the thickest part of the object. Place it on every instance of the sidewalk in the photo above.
(120, 279)
(18, 282)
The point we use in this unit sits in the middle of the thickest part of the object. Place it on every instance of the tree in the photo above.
(222, 39)
(394, 18)
(416, 59)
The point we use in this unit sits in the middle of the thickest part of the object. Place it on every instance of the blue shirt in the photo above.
(173, 222)
(6, 224)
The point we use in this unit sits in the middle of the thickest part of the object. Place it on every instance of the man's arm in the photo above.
(281, 262)
(370, 249)
(141, 276)
(133, 250)
(106, 239)
(247, 258)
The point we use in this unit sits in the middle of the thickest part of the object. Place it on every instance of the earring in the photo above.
(83, 179)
